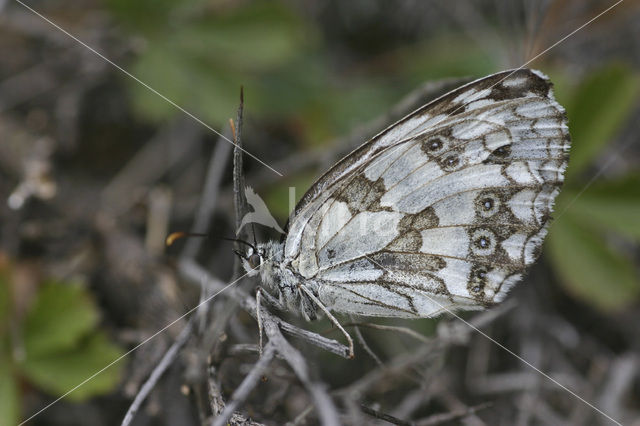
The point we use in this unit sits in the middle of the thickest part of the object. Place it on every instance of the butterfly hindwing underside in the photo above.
(443, 210)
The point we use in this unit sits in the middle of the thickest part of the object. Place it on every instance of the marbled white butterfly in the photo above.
(444, 210)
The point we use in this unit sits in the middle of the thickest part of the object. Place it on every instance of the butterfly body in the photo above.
(279, 277)
(443, 210)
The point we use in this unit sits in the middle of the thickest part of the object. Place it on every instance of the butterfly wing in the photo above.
(443, 210)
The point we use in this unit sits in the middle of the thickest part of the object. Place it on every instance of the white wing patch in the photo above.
(411, 159)
(337, 215)
(521, 204)
(374, 170)
(514, 246)
(450, 242)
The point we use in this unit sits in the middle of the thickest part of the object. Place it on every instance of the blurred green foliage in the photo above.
(54, 346)
(199, 53)
(588, 244)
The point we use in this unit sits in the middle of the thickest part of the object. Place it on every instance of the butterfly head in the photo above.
(264, 259)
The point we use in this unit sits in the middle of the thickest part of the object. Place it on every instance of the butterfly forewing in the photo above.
(444, 209)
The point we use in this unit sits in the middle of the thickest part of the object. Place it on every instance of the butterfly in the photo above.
(443, 210)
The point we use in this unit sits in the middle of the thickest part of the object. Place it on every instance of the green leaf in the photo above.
(60, 372)
(61, 314)
(443, 57)
(5, 297)
(563, 84)
(345, 109)
(150, 17)
(257, 37)
(599, 106)
(167, 69)
(201, 64)
(590, 269)
(9, 395)
(610, 205)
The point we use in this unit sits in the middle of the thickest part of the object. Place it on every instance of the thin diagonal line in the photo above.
(556, 43)
(127, 73)
(539, 54)
(251, 155)
(570, 34)
(121, 357)
(500, 345)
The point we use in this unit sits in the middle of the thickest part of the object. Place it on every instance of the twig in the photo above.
(249, 304)
(621, 375)
(437, 419)
(196, 273)
(243, 349)
(248, 384)
(301, 417)
(325, 408)
(157, 372)
(149, 164)
(393, 367)
(214, 175)
(414, 399)
(209, 198)
(324, 157)
(404, 330)
(277, 343)
(273, 325)
(240, 201)
(364, 343)
(213, 390)
(383, 416)
(404, 361)
(217, 404)
(224, 315)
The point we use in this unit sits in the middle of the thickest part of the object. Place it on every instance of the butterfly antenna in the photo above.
(237, 240)
(174, 236)
(253, 230)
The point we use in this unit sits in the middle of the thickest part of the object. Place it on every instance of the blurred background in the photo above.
(96, 170)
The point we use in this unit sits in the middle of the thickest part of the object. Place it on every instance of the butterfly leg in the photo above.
(259, 319)
(276, 303)
(330, 317)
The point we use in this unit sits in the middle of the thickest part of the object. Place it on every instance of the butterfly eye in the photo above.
(254, 260)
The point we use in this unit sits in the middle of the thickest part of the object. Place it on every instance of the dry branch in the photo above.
(248, 384)
(277, 343)
(157, 373)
